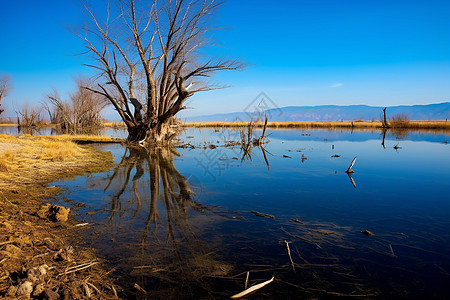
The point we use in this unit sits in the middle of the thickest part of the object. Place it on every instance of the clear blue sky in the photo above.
(301, 52)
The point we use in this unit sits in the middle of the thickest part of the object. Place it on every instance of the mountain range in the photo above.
(440, 111)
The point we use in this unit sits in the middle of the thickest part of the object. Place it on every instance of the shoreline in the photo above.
(431, 124)
(325, 124)
(30, 241)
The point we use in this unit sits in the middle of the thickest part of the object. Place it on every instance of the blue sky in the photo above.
(299, 52)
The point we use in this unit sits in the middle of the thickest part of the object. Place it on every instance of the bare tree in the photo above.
(148, 56)
(80, 112)
(29, 117)
(5, 86)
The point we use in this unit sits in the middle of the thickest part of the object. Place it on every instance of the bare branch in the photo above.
(147, 52)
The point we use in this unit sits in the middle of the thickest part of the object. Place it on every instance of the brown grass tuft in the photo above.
(3, 165)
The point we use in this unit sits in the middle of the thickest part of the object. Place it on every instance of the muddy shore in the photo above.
(41, 252)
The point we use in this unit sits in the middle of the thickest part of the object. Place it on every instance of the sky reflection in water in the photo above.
(188, 239)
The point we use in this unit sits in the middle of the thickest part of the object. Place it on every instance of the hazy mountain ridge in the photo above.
(440, 111)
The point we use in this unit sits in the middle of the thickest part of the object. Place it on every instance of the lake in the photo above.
(189, 223)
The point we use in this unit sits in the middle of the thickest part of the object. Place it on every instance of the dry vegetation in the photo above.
(27, 241)
(326, 124)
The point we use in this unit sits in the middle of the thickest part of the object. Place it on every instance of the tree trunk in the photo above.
(153, 133)
(385, 124)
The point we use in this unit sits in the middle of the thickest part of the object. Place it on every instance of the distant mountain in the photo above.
(439, 111)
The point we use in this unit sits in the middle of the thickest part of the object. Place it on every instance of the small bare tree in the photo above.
(5, 85)
(148, 56)
(29, 117)
(82, 111)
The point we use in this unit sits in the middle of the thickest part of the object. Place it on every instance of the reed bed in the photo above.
(326, 124)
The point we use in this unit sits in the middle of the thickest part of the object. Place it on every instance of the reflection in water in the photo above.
(399, 133)
(165, 249)
(249, 142)
(352, 180)
(383, 133)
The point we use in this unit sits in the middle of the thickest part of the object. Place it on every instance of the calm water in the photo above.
(180, 223)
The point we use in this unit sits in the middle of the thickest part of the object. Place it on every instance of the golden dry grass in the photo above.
(322, 124)
(114, 124)
(3, 165)
(24, 157)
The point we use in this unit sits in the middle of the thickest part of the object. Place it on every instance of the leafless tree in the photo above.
(148, 56)
(5, 85)
(80, 112)
(29, 117)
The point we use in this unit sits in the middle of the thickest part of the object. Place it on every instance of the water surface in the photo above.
(180, 223)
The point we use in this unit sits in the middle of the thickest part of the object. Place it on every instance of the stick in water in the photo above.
(349, 170)
(392, 251)
(289, 253)
(252, 289)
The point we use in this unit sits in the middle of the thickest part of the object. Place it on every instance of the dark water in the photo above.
(179, 223)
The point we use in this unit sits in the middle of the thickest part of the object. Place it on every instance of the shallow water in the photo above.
(180, 223)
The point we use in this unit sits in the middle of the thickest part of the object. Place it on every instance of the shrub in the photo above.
(399, 121)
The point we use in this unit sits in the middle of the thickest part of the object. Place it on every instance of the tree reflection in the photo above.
(161, 246)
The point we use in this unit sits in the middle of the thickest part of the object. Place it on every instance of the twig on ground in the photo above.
(79, 268)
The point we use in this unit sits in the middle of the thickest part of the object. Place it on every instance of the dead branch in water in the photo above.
(289, 253)
(392, 251)
(139, 288)
(260, 140)
(258, 214)
(252, 289)
(349, 170)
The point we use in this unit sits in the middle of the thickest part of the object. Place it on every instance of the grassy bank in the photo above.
(28, 241)
(326, 124)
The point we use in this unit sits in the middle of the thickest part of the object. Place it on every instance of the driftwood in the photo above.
(289, 253)
(367, 232)
(392, 251)
(349, 170)
(139, 288)
(79, 268)
(297, 221)
(258, 214)
(252, 289)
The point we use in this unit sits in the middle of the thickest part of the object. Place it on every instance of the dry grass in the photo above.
(3, 165)
(322, 124)
(114, 124)
(22, 157)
